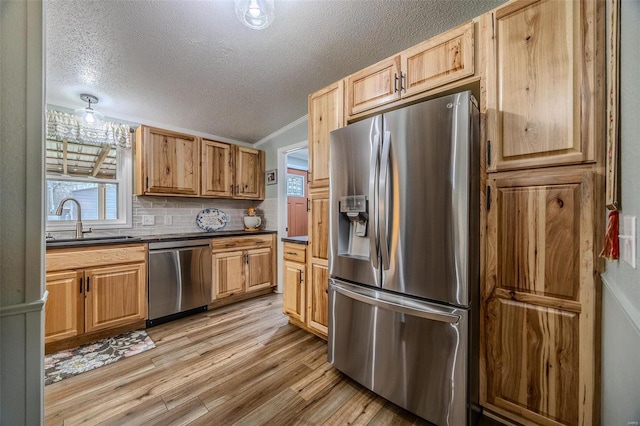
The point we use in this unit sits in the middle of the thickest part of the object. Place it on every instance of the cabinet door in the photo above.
(259, 268)
(115, 295)
(171, 162)
(326, 113)
(319, 225)
(373, 86)
(317, 282)
(318, 298)
(217, 169)
(228, 273)
(64, 310)
(293, 292)
(541, 311)
(249, 173)
(438, 61)
(543, 72)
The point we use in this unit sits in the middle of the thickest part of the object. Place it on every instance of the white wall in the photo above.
(288, 135)
(21, 213)
(621, 294)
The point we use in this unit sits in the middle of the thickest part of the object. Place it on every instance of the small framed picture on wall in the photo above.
(271, 176)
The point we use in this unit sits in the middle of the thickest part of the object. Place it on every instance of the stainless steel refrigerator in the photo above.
(404, 256)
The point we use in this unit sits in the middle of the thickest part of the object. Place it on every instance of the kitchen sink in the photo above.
(90, 240)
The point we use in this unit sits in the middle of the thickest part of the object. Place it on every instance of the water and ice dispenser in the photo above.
(353, 240)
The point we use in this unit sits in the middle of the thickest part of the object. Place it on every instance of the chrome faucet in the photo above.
(79, 232)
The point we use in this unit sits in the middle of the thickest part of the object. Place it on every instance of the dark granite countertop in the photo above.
(125, 239)
(297, 240)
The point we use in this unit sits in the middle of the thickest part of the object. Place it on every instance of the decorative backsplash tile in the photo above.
(181, 214)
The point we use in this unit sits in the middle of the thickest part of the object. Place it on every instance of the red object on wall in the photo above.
(611, 248)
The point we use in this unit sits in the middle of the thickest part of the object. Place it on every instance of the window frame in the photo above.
(124, 180)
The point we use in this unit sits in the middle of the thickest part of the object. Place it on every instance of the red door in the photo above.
(297, 187)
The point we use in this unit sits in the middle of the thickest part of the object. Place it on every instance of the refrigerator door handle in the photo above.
(422, 311)
(373, 224)
(383, 199)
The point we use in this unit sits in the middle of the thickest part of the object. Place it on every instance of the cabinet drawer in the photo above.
(224, 244)
(66, 259)
(295, 252)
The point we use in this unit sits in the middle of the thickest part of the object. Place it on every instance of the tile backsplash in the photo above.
(179, 214)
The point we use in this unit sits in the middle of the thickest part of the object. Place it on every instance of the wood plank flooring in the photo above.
(242, 364)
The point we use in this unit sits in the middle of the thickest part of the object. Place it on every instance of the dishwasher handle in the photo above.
(176, 245)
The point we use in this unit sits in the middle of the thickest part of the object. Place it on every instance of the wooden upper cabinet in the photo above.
(170, 163)
(249, 173)
(326, 113)
(217, 169)
(167, 163)
(540, 319)
(373, 86)
(440, 60)
(544, 75)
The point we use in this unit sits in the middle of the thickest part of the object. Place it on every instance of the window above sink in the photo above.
(91, 166)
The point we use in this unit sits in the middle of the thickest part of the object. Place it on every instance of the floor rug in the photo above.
(64, 364)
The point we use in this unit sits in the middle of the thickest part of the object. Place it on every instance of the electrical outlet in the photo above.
(148, 219)
(168, 220)
(627, 240)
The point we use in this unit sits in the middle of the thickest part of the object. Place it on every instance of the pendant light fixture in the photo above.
(89, 116)
(255, 14)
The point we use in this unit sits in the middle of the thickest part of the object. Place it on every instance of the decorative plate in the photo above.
(211, 220)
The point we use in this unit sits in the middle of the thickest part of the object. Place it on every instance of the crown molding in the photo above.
(282, 130)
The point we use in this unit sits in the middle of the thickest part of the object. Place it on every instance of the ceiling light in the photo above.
(255, 14)
(88, 115)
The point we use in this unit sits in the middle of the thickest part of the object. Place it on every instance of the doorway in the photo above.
(297, 191)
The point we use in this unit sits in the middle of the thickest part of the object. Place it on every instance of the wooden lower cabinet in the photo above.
(64, 311)
(242, 265)
(305, 295)
(115, 295)
(541, 298)
(318, 300)
(293, 300)
(228, 274)
(94, 293)
(259, 268)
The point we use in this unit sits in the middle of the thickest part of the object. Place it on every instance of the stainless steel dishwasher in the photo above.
(179, 279)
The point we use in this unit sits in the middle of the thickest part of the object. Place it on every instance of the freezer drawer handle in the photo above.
(421, 312)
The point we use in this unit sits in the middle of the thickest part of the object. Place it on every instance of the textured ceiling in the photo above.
(193, 65)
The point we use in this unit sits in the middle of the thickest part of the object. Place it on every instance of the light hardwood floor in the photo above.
(241, 364)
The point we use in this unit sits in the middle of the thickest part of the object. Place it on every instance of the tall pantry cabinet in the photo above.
(326, 113)
(544, 211)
